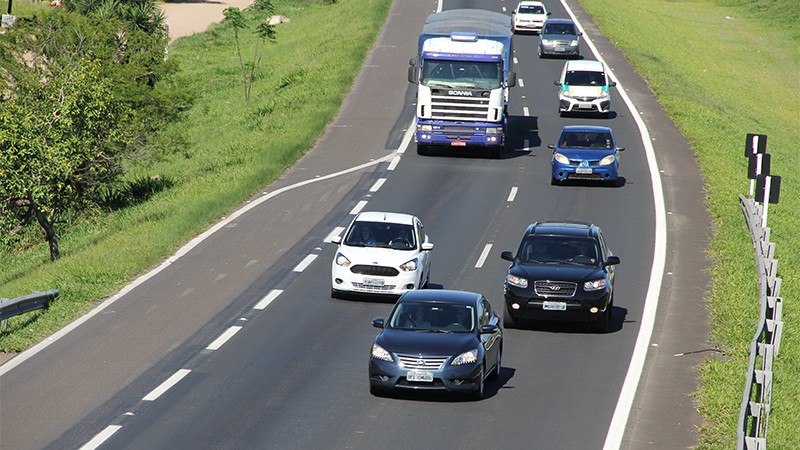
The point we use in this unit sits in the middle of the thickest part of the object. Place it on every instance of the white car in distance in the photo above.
(382, 253)
(529, 16)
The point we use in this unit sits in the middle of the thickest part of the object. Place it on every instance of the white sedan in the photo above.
(381, 253)
(529, 16)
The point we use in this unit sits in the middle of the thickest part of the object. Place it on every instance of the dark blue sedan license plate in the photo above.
(419, 375)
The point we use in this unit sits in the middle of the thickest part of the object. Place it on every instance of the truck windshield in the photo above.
(460, 74)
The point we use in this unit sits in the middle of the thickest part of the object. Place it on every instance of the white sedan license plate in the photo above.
(373, 282)
(585, 105)
(554, 306)
(419, 375)
(583, 170)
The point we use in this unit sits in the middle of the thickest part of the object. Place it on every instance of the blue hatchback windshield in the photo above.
(586, 139)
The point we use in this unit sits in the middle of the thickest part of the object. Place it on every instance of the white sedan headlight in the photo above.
(603, 94)
(466, 358)
(379, 352)
(409, 266)
(607, 160)
(342, 260)
(594, 285)
(566, 93)
(561, 158)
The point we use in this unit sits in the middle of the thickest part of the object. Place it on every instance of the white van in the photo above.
(584, 88)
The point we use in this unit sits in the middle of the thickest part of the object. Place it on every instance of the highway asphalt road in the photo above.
(235, 342)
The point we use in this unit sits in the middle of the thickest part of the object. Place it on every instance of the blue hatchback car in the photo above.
(585, 153)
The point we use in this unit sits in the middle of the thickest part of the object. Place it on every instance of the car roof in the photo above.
(558, 20)
(388, 217)
(562, 228)
(585, 128)
(530, 3)
(585, 65)
(441, 296)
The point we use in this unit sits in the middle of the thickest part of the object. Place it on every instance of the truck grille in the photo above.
(456, 107)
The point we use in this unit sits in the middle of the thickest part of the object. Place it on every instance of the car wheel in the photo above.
(496, 372)
(422, 149)
(508, 321)
(478, 393)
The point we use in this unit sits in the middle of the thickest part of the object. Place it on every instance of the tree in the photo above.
(264, 31)
(61, 140)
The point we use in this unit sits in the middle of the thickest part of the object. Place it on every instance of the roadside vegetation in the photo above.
(196, 169)
(722, 69)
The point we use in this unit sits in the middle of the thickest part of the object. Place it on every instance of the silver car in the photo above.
(559, 37)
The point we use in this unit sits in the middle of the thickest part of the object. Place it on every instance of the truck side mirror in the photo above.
(412, 75)
(412, 62)
(512, 79)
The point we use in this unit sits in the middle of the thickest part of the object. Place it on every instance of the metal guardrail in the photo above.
(20, 305)
(757, 397)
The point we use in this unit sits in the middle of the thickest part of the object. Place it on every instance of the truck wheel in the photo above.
(422, 149)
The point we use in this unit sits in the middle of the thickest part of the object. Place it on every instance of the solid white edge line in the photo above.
(336, 232)
(305, 263)
(393, 164)
(273, 294)
(171, 381)
(512, 195)
(619, 421)
(359, 206)
(377, 185)
(483, 256)
(101, 437)
(223, 338)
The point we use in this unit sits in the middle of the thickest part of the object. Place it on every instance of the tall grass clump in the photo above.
(722, 69)
(222, 151)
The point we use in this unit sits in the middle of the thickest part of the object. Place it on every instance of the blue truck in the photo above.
(463, 72)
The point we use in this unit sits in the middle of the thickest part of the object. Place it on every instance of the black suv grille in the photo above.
(555, 288)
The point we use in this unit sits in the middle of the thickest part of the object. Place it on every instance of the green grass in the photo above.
(303, 79)
(721, 70)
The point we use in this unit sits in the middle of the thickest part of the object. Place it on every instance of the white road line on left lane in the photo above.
(273, 294)
(483, 256)
(357, 209)
(101, 437)
(305, 263)
(164, 387)
(512, 195)
(223, 338)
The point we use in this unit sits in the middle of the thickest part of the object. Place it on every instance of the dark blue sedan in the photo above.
(585, 153)
(437, 340)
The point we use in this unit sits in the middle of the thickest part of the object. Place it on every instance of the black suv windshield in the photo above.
(558, 250)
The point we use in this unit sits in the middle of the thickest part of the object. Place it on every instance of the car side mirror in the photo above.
(557, 82)
(336, 240)
(512, 79)
(507, 255)
(612, 261)
(612, 84)
(619, 149)
(551, 146)
(427, 246)
(377, 322)
(488, 329)
(549, 13)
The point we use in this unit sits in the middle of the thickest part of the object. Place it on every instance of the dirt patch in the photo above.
(190, 17)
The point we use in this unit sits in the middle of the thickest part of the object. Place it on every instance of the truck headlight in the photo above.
(427, 128)
(492, 130)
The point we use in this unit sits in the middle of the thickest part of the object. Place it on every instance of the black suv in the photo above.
(562, 271)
